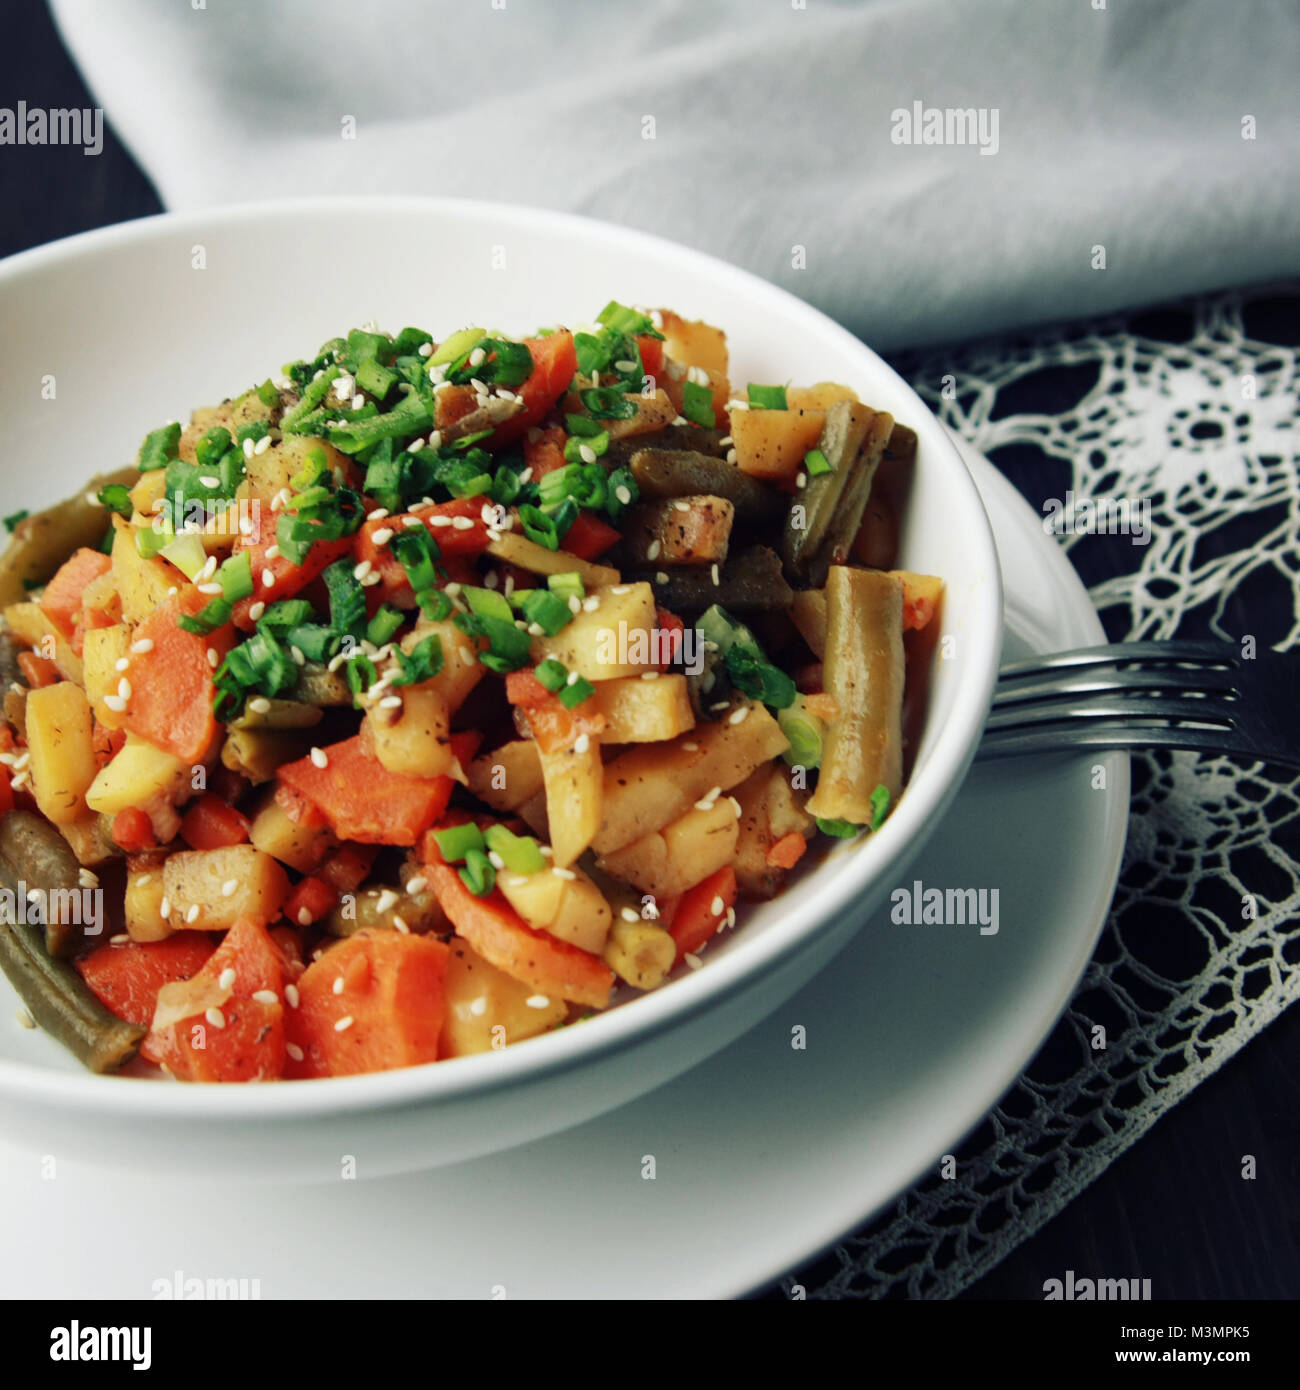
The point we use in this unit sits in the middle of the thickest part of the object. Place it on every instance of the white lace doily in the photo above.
(1193, 407)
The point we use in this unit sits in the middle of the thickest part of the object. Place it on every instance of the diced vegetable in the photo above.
(126, 977)
(563, 902)
(643, 711)
(203, 879)
(771, 443)
(387, 1013)
(668, 861)
(61, 601)
(63, 764)
(702, 911)
(613, 638)
(486, 1008)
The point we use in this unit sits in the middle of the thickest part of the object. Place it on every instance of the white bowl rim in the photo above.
(930, 790)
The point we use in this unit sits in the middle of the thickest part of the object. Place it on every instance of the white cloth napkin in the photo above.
(769, 132)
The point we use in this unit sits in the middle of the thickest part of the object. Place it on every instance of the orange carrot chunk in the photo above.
(211, 824)
(242, 1037)
(362, 800)
(61, 601)
(387, 1013)
(786, 852)
(554, 362)
(702, 911)
(126, 978)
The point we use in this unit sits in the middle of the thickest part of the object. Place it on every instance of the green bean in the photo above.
(666, 473)
(33, 855)
(59, 1001)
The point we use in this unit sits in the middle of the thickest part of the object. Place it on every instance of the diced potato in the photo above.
(680, 531)
(412, 740)
(686, 851)
(258, 753)
(461, 670)
(614, 639)
(62, 753)
(652, 414)
(143, 584)
(507, 776)
(301, 847)
(641, 711)
(101, 596)
(515, 549)
(486, 1008)
(640, 952)
(570, 908)
(91, 839)
(770, 809)
(101, 649)
(151, 488)
(647, 787)
(772, 443)
(574, 788)
(200, 878)
(29, 624)
(139, 775)
(272, 469)
(279, 714)
(143, 904)
(692, 343)
(533, 814)
(922, 594)
(818, 396)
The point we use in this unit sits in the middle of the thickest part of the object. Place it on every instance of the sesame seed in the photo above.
(121, 663)
(692, 960)
(192, 913)
(591, 603)
(661, 577)
(496, 860)
(209, 480)
(582, 743)
(343, 1024)
(801, 480)
(649, 675)
(713, 573)
(304, 917)
(691, 747)
(268, 578)
(399, 924)
(724, 441)
(165, 907)
(387, 899)
(681, 506)
(298, 655)
(360, 571)
(545, 851)
(630, 914)
(215, 1017)
(621, 589)
(391, 702)
(209, 588)
(319, 757)
(417, 884)
(478, 1007)
(226, 980)
(425, 350)
(383, 535)
(477, 357)
(435, 439)
(294, 1051)
(564, 873)
(653, 549)
(338, 984)
(731, 456)
(262, 444)
(213, 659)
(120, 939)
(433, 521)
(462, 523)
(291, 996)
(358, 401)
(145, 644)
(739, 716)
(538, 1001)
(229, 888)
(123, 690)
(248, 448)
(735, 806)
(259, 704)
(143, 879)
(256, 611)
(717, 907)
(586, 453)
(373, 578)
(731, 916)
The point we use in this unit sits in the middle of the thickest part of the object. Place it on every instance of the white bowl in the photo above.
(136, 324)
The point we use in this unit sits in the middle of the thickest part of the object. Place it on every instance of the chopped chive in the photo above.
(539, 527)
(552, 674)
(457, 345)
(697, 404)
(236, 577)
(214, 614)
(547, 610)
(879, 806)
(115, 497)
(574, 694)
(521, 854)
(478, 875)
(608, 402)
(267, 394)
(568, 585)
(817, 463)
(456, 841)
(767, 397)
(159, 448)
(12, 520)
(841, 829)
(385, 625)
(488, 603)
(422, 663)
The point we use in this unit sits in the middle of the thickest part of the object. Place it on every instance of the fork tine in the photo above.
(1018, 742)
(1214, 653)
(1038, 685)
(1131, 707)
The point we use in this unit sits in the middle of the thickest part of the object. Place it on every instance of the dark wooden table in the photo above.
(1175, 1208)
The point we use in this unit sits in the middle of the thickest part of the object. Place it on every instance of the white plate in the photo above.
(763, 1154)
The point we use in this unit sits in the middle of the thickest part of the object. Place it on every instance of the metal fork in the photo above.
(1204, 696)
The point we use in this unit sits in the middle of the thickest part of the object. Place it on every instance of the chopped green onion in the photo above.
(575, 444)
(549, 611)
(254, 430)
(628, 323)
(107, 541)
(12, 520)
(568, 585)
(759, 679)
(817, 463)
(186, 553)
(211, 616)
(347, 599)
(417, 551)
(461, 342)
(575, 692)
(267, 394)
(767, 397)
(287, 613)
(313, 393)
(508, 647)
(697, 404)
(539, 527)
(619, 483)
(115, 497)
(879, 806)
(552, 674)
(841, 829)
(385, 625)
(521, 854)
(457, 841)
(159, 448)
(478, 875)
(211, 449)
(409, 341)
(375, 379)
(592, 352)
(315, 641)
(236, 577)
(487, 603)
(362, 674)
(805, 733)
(149, 540)
(609, 402)
(583, 425)
(407, 419)
(421, 663)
